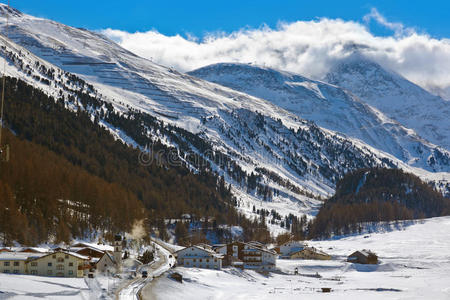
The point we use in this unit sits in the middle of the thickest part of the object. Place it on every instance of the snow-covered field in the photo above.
(35, 287)
(415, 264)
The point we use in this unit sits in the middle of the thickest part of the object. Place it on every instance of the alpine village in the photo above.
(121, 178)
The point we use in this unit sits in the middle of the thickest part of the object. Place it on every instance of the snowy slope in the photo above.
(414, 264)
(293, 157)
(330, 107)
(395, 96)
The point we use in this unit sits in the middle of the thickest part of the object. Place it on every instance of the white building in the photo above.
(199, 257)
(259, 258)
(106, 263)
(290, 247)
(58, 263)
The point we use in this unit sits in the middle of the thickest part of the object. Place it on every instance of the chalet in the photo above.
(199, 257)
(251, 255)
(310, 253)
(60, 263)
(259, 258)
(363, 257)
(290, 247)
(15, 262)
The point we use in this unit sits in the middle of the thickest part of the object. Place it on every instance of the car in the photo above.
(144, 274)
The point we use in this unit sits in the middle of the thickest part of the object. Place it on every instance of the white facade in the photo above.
(59, 263)
(199, 257)
(291, 247)
(222, 250)
(259, 258)
(106, 264)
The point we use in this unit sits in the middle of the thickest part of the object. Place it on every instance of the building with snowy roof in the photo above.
(199, 256)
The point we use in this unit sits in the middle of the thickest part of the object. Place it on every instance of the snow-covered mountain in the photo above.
(395, 96)
(330, 107)
(297, 160)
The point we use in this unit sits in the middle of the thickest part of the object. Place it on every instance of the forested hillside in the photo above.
(60, 156)
(374, 195)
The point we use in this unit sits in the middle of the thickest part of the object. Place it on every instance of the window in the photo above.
(67, 256)
(6, 271)
(49, 272)
(54, 255)
(49, 264)
(207, 260)
(16, 263)
(60, 267)
(200, 260)
(60, 259)
(34, 264)
(33, 272)
(6, 263)
(16, 271)
(71, 264)
(195, 260)
(70, 272)
(215, 259)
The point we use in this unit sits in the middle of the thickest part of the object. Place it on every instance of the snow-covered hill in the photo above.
(395, 96)
(330, 107)
(295, 159)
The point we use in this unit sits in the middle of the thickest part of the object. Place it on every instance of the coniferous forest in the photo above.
(376, 195)
(67, 177)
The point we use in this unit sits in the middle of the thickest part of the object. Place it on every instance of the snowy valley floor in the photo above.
(415, 264)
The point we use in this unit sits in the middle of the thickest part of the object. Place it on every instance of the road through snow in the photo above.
(162, 264)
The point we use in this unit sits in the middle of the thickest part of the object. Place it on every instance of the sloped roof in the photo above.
(208, 251)
(74, 254)
(19, 256)
(312, 249)
(363, 252)
(35, 249)
(93, 245)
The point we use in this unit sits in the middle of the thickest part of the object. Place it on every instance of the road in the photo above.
(133, 290)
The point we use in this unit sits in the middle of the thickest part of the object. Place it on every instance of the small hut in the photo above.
(310, 253)
(363, 257)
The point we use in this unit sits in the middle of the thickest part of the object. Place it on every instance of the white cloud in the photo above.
(305, 47)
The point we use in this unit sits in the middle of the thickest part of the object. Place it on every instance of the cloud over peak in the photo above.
(306, 47)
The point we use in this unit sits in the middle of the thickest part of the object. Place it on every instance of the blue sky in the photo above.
(198, 17)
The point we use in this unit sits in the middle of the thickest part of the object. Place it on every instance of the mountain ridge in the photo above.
(329, 106)
(263, 147)
(395, 96)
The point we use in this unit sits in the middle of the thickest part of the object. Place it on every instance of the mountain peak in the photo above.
(10, 11)
(395, 96)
